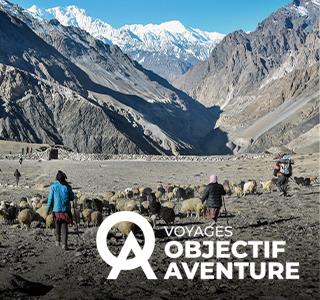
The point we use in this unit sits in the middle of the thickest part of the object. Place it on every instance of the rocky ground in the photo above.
(80, 273)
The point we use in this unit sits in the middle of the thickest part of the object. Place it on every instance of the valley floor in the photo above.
(81, 274)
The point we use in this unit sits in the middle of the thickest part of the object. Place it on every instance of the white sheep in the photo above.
(168, 204)
(49, 221)
(238, 190)
(130, 205)
(193, 205)
(96, 218)
(86, 215)
(267, 186)
(125, 227)
(249, 187)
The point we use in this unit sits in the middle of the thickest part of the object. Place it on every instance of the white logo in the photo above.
(141, 255)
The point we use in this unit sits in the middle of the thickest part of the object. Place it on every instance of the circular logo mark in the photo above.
(131, 244)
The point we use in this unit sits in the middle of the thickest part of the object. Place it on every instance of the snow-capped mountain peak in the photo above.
(34, 10)
(169, 48)
(173, 26)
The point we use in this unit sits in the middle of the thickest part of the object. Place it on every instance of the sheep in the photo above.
(170, 196)
(12, 211)
(135, 191)
(82, 198)
(168, 204)
(161, 189)
(25, 217)
(23, 204)
(249, 187)
(96, 218)
(170, 188)
(192, 205)
(158, 195)
(125, 227)
(107, 195)
(42, 211)
(202, 189)
(130, 205)
(307, 181)
(144, 207)
(226, 186)
(167, 214)
(116, 197)
(97, 204)
(179, 193)
(86, 216)
(238, 190)
(120, 205)
(266, 186)
(145, 191)
(129, 193)
(313, 179)
(88, 203)
(110, 208)
(49, 221)
(78, 194)
(189, 192)
(302, 181)
(4, 211)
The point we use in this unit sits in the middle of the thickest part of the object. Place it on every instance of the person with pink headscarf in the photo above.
(213, 197)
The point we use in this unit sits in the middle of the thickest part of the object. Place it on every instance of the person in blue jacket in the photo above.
(60, 195)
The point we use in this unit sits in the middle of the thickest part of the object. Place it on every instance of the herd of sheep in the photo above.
(163, 203)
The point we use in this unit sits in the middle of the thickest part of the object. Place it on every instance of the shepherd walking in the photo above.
(17, 176)
(60, 195)
(283, 170)
(213, 197)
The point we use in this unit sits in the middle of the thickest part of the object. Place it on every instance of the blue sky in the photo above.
(212, 15)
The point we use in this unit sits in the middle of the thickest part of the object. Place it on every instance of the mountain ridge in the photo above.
(101, 100)
(249, 75)
(168, 49)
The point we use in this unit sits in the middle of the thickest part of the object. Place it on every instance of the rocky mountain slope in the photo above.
(168, 49)
(60, 85)
(266, 82)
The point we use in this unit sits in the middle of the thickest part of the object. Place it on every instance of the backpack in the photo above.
(285, 168)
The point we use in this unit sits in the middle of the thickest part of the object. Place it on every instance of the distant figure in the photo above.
(17, 175)
(283, 170)
(213, 196)
(20, 160)
(60, 195)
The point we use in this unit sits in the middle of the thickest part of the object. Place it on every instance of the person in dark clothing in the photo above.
(17, 175)
(213, 197)
(154, 208)
(283, 170)
(60, 195)
(20, 160)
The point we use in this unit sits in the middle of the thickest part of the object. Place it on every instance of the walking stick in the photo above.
(225, 210)
(75, 218)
